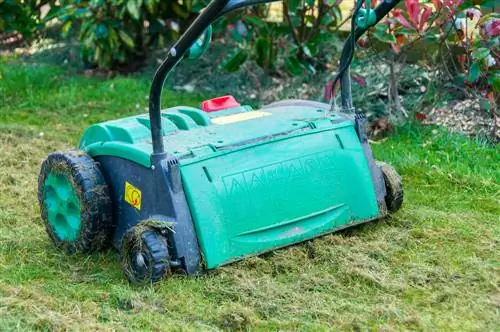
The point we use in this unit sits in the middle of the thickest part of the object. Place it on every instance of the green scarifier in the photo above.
(251, 188)
(187, 189)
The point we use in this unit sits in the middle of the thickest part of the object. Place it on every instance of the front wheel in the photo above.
(145, 257)
(393, 186)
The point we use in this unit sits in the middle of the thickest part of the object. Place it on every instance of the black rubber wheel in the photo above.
(393, 186)
(145, 257)
(74, 202)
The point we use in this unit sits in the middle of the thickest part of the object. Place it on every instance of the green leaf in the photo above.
(487, 17)
(101, 31)
(306, 51)
(66, 27)
(293, 66)
(480, 53)
(54, 11)
(384, 36)
(312, 47)
(494, 81)
(255, 21)
(126, 39)
(150, 6)
(82, 12)
(337, 13)
(292, 5)
(133, 9)
(406, 31)
(310, 19)
(489, 4)
(262, 51)
(327, 19)
(234, 61)
(180, 11)
(113, 38)
(310, 68)
(474, 72)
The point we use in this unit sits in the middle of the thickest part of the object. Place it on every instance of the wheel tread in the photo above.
(394, 187)
(93, 192)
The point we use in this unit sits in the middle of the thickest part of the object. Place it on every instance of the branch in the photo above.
(289, 21)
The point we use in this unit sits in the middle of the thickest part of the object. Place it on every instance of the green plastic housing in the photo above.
(255, 180)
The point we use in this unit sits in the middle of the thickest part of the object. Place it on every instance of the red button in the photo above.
(219, 103)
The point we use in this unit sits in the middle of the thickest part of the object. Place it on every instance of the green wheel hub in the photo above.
(63, 206)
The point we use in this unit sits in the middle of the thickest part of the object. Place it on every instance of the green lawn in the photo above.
(434, 265)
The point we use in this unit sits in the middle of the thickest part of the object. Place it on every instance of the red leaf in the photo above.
(398, 16)
(413, 9)
(396, 48)
(420, 116)
(492, 27)
(359, 79)
(491, 97)
(363, 42)
(400, 40)
(461, 58)
(473, 13)
(328, 90)
(424, 17)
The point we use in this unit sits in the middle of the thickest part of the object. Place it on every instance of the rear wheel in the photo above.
(145, 257)
(393, 186)
(74, 202)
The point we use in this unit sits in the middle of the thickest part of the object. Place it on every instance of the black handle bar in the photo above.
(214, 10)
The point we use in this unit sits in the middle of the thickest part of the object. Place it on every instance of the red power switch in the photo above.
(219, 103)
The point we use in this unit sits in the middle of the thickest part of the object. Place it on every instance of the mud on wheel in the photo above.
(145, 257)
(393, 186)
(74, 202)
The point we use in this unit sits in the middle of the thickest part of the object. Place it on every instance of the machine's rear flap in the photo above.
(278, 192)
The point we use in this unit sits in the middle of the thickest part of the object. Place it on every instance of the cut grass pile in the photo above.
(434, 265)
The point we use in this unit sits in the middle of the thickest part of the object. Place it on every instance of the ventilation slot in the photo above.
(209, 177)
(340, 141)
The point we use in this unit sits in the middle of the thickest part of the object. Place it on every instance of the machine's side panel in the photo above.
(278, 192)
(140, 193)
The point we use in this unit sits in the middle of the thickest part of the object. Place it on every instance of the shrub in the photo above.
(291, 43)
(114, 33)
(461, 39)
(20, 16)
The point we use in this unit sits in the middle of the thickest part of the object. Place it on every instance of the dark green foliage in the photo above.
(21, 16)
(118, 32)
(291, 44)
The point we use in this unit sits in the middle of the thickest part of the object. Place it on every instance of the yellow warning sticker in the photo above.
(233, 118)
(133, 195)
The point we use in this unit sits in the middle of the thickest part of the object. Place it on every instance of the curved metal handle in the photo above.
(345, 80)
(175, 54)
(214, 10)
